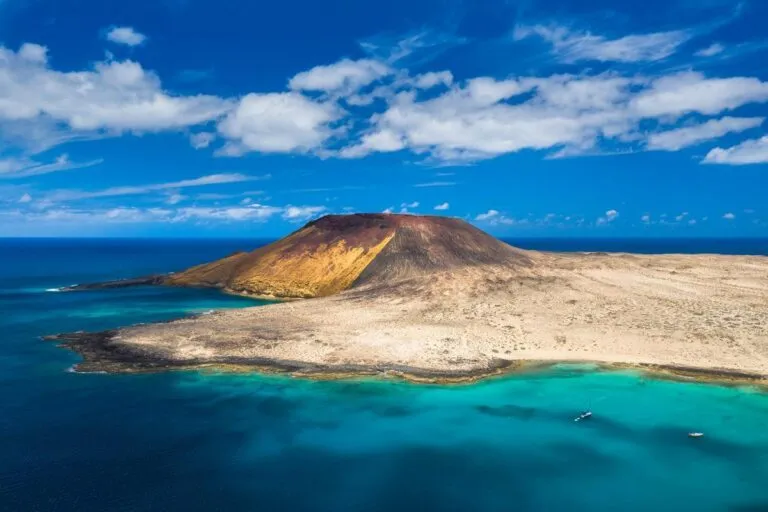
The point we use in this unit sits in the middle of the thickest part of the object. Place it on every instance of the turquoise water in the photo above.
(205, 441)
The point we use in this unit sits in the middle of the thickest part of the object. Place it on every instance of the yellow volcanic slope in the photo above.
(328, 269)
(320, 259)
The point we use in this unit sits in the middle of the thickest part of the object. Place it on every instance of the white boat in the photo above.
(583, 416)
(695, 434)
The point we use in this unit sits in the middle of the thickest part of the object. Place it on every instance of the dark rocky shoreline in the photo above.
(102, 353)
(150, 280)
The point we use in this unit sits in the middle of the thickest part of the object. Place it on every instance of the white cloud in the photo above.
(685, 92)
(692, 222)
(729, 216)
(435, 184)
(114, 96)
(175, 199)
(753, 151)
(475, 121)
(23, 167)
(256, 212)
(457, 124)
(490, 214)
(55, 217)
(211, 179)
(25, 198)
(33, 53)
(201, 140)
(302, 212)
(433, 79)
(383, 141)
(673, 140)
(345, 76)
(125, 35)
(646, 218)
(711, 50)
(253, 212)
(571, 46)
(277, 123)
(388, 210)
(442, 206)
(414, 204)
(572, 115)
(610, 216)
(495, 218)
(681, 216)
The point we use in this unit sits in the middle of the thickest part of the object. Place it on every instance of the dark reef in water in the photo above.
(150, 280)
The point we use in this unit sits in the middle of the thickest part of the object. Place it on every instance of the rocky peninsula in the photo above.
(436, 298)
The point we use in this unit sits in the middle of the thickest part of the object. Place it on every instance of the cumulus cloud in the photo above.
(125, 35)
(297, 213)
(442, 206)
(729, 216)
(453, 123)
(114, 96)
(433, 79)
(484, 117)
(345, 76)
(277, 123)
(646, 218)
(476, 121)
(609, 216)
(414, 204)
(490, 214)
(573, 46)
(25, 198)
(753, 151)
(673, 140)
(495, 218)
(686, 92)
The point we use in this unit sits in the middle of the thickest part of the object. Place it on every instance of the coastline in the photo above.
(684, 317)
(101, 356)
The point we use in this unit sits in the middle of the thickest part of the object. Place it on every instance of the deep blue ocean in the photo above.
(208, 441)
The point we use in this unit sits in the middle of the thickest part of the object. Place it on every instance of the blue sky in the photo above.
(242, 118)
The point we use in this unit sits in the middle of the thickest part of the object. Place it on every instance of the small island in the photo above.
(435, 298)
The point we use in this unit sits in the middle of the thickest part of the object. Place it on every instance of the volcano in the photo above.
(338, 252)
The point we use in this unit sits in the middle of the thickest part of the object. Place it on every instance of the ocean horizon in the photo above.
(207, 440)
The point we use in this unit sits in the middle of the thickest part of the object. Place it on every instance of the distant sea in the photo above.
(211, 441)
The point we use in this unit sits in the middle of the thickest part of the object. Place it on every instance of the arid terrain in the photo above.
(440, 298)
